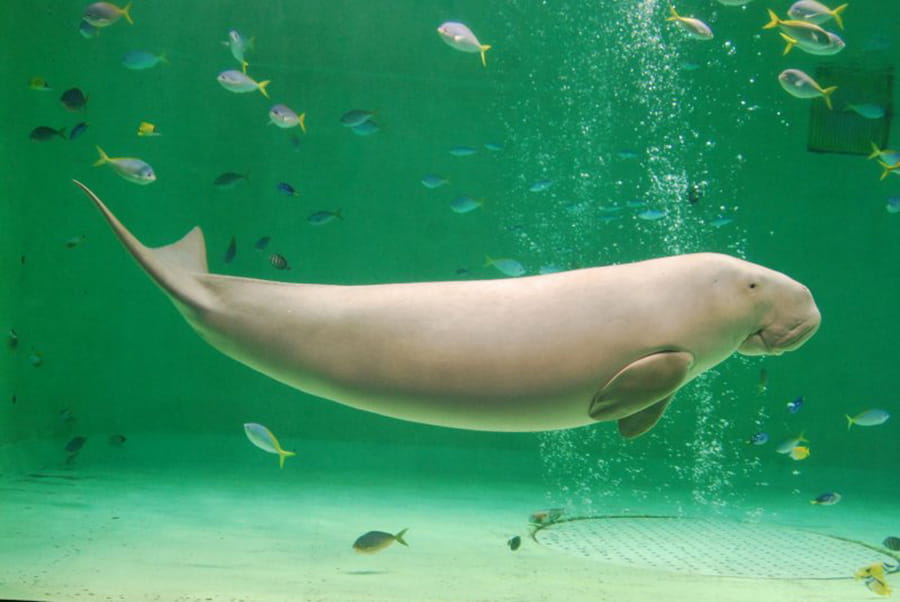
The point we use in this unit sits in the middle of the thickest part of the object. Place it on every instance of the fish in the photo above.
(74, 241)
(229, 179)
(877, 586)
(494, 147)
(356, 117)
(463, 151)
(759, 438)
(35, 358)
(366, 128)
(73, 99)
(546, 517)
(263, 438)
(541, 186)
(734, 2)
(43, 133)
(652, 214)
(868, 418)
(460, 37)
(262, 243)
(78, 130)
(375, 541)
(132, 169)
(116, 440)
(286, 188)
(867, 110)
(465, 204)
(816, 12)
(695, 28)
(889, 168)
(433, 181)
(514, 543)
(87, 30)
(549, 269)
(794, 406)
(694, 194)
(891, 543)
(787, 445)
(721, 221)
(12, 340)
(320, 218)
(826, 499)
(145, 128)
(763, 383)
(875, 570)
(627, 154)
(893, 204)
(801, 85)
(240, 83)
(39, 84)
(799, 452)
(506, 266)
(884, 154)
(239, 45)
(279, 262)
(231, 251)
(809, 37)
(138, 60)
(284, 117)
(104, 14)
(75, 444)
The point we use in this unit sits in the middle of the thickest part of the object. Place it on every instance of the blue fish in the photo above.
(829, 498)
(494, 147)
(462, 151)
(141, 59)
(759, 438)
(464, 204)
(433, 181)
(231, 251)
(721, 221)
(893, 204)
(541, 186)
(320, 218)
(794, 406)
(651, 214)
(366, 128)
(78, 130)
(262, 243)
(287, 189)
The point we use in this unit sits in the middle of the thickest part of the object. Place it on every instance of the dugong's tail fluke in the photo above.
(172, 267)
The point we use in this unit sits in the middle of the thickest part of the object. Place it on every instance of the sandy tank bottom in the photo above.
(131, 528)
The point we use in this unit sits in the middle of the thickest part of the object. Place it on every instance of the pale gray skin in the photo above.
(526, 354)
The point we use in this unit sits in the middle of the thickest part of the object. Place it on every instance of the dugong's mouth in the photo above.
(761, 343)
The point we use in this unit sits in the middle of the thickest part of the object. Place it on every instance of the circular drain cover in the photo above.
(710, 547)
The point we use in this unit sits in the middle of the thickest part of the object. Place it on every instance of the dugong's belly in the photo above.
(483, 356)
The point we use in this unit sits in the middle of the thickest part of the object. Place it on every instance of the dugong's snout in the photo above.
(793, 320)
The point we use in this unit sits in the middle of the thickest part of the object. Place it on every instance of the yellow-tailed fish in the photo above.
(263, 438)
(694, 27)
(240, 83)
(800, 452)
(130, 168)
(375, 541)
(801, 85)
(458, 36)
(816, 12)
(104, 14)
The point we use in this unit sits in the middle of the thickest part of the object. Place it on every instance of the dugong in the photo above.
(528, 354)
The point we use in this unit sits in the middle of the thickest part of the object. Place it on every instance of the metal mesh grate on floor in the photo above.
(710, 547)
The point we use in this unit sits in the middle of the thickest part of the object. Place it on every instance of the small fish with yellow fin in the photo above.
(375, 541)
(263, 438)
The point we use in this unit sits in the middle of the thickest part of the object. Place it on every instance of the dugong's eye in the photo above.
(752, 285)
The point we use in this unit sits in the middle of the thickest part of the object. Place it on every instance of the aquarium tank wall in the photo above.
(500, 149)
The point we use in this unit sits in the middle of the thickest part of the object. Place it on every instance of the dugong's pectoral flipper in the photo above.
(638, 394)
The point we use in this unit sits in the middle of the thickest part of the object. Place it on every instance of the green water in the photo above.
(570, 89)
